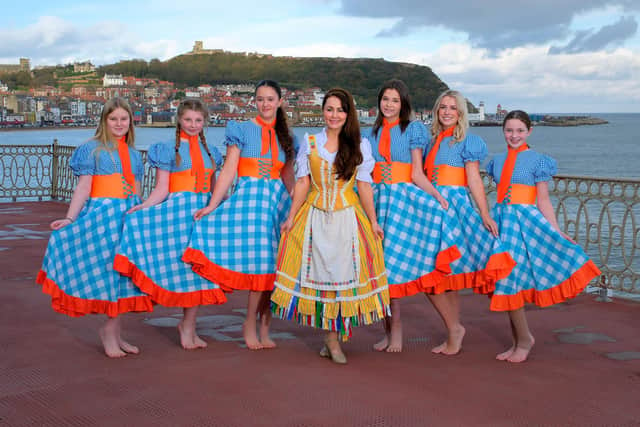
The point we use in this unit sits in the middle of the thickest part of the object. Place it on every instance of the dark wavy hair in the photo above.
(405, 104)
(349, 155)
(518, 115)
(282, 129)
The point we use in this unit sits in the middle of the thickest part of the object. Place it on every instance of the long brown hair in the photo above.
(349, 155)
(102, 134)
(197, 106)
(405, 104)
(282, 129)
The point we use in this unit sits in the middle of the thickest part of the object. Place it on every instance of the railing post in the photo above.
(604, 293)
(54, 169)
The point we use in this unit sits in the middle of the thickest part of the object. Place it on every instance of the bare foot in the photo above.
(265, 339)
(127, 348)
(522, 350)
(453, 344)
(505, 355)
(382, 344)
(110, 341)
(395, 343)
(189, 340)
(250, 336)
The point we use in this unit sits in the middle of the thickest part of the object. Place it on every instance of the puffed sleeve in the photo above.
(368, 162)
(302, 158)
(490, 170)
(233, 135)
(217, 157)
(545, 169)
(417, 134)
(137, 167)
(83, 161)
(474, 149)
(162, 156)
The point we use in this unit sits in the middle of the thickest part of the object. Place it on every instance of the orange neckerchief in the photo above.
(430, 162)
(125, 161)
(197, 164)
(507, 171)
(268, 138)
(384, 146)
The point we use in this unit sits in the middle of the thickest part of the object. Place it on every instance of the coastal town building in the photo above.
(112, 80)
(23, 65)
(83, 67)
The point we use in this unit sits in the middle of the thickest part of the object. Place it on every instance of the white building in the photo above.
(112, 80)
(479, 116)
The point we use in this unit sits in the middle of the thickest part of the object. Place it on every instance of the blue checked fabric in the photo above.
(154, 239)
(79, 257)
(544, 257)
(416, 228)
(242, 234)
(475, 243)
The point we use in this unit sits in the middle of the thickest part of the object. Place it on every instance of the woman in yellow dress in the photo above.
(330, 268)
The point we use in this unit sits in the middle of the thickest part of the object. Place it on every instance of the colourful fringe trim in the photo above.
(570, 288)
(77, 307)
(343, 327)
(162, 296)
(228, 280)
(483, 281)
(427, 282)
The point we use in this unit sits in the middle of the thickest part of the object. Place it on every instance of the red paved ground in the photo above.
(53, 371)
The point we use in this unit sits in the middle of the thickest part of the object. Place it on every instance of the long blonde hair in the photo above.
(460, 131)
(102, 133)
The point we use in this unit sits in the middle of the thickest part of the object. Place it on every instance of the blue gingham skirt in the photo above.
(243, 232)
(416, 229)
(544, 257)
(154, 239)
(475, 243)
(79, 259)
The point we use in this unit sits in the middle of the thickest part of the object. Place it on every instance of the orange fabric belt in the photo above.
(520, 194)
(259, 168)
(185, 181)
(449, 175)
(113, 185)
(391, 173)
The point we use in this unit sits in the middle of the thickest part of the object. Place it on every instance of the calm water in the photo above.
(610, 150)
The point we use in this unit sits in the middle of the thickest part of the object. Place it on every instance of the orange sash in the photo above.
(520, 194)
(114, 185)
(384, 147)
(125, 161)
(449, 175)
(269, 139)
(507, 171)
(259, 168)
(185, 181)
(197, 163)
(431, 157)
(391, 172)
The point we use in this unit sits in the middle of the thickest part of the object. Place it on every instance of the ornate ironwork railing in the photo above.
(601, 214)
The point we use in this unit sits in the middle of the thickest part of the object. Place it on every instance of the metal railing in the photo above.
(601, 214)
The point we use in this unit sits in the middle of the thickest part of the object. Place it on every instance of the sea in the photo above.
(609, 150)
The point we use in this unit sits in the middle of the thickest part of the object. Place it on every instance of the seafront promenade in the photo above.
(583, 371)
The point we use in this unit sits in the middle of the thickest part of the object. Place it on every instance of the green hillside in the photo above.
(362, 77)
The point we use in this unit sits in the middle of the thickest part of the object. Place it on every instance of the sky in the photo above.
(567, 56)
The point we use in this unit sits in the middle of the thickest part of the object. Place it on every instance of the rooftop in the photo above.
(584, 369)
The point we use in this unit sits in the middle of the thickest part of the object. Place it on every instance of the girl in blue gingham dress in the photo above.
(77, 268)
(155, 237)
(235, 242)
(418, 241)
(551, 267)
(453, 166)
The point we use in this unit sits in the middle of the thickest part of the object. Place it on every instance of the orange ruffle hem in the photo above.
(484, 281)
(77, 307)
(228, 280)
(559, 293)
(162, 296)
(430, 280)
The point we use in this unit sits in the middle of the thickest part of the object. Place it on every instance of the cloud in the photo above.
(51, 40)
(491, 24)
(591, 41)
